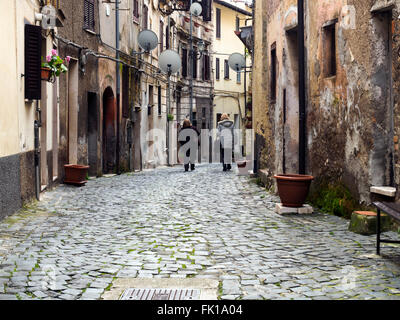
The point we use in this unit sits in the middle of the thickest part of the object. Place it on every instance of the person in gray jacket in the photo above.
(225, 134)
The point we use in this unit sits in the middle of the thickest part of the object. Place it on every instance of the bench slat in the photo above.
(391, 208)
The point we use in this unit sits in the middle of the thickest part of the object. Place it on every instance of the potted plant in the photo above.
(54, 66)
(170, 117)
(75, 174)
(293, 189)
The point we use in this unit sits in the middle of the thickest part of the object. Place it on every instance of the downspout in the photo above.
(118, 82)
(302, 88)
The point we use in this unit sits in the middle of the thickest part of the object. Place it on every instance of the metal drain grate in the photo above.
(160, 294)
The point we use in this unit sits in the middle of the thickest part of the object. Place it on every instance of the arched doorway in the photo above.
(109, 131)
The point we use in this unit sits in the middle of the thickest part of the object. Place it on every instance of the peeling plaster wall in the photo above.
(352, 123)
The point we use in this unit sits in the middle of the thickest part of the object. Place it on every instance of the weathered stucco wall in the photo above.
(351, 120)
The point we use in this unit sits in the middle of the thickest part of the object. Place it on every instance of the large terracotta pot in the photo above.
(293, 189)
(75, 174)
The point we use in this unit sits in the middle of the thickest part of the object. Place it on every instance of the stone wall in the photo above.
(352, 130)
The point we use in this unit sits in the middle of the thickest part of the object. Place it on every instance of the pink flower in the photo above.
(68, 59)
(54, 52)
(48, 58)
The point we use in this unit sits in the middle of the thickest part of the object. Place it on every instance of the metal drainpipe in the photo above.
(118, 83)
(191, 66)
(37, 125)
(302, 88)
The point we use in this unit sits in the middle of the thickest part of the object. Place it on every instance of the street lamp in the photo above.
(169, 62)
(195, 10)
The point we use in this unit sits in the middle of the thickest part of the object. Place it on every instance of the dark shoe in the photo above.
(192, 167)
(229, 167)
(225, 168)
(186, 167)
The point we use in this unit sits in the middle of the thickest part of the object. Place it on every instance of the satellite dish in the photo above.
(237, 62)
(148, 40)
(169, 62)
(196, 9)
(49, 17)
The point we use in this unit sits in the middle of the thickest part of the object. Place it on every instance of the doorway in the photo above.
(92, 133)
(109, 131)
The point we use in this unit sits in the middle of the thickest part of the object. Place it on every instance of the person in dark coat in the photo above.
(190, 157)
(225, 134)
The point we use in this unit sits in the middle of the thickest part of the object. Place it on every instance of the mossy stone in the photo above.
(365, 224)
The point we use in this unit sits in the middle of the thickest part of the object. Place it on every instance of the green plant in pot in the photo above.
(170, 117)
(54, 66)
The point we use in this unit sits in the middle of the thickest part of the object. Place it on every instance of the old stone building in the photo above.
(28, 106)
(351, 75)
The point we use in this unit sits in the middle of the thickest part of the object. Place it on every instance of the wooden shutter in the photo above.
(136, 8)
(218, 23)
(207, 67)
(145, 17)
(161, 36)
(33, 48)
(226, 69)
(184, 62)
(206, 9)
(166, 37)
(217, 69)
(194, 64)
(125, 92)
(88, 20)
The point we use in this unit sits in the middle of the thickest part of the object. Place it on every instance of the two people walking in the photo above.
(190, 135)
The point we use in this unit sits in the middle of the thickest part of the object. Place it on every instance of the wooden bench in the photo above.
(393, 210)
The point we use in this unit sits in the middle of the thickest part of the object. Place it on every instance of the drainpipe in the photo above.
(302, 88)
(118, 82)
(37, 125)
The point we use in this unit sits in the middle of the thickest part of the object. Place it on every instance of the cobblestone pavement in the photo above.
(202, 224)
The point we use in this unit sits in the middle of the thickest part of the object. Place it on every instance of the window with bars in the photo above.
(88, 19)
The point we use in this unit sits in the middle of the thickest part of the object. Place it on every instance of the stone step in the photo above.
(384, 191)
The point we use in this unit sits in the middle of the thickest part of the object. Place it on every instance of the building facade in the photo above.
(29, 119)
(231, 88)
(351, 76)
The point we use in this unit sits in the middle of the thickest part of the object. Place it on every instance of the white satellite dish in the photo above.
(49, 17)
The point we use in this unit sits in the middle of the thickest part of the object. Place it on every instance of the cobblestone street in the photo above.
(203, 224)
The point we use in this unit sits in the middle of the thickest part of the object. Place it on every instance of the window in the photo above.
(159, 100)
(238, 77)
(329, 47)
(273, 72)
(194, 64)
(218, 23)
(167, 37)
(161, 36)
(206, 67)
(206, 10)
(145, 17)
(125, 92)
(226, 70)
(184, 62)
(136, 10)
(237, 23)
(217, 71)
(88, 18)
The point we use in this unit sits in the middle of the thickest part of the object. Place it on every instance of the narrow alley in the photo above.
(205, 224)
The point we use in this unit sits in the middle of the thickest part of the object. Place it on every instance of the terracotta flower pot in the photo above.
(75, 174)
(293, 189)
(45, 74)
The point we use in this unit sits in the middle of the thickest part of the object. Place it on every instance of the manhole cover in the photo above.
(160, 294)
